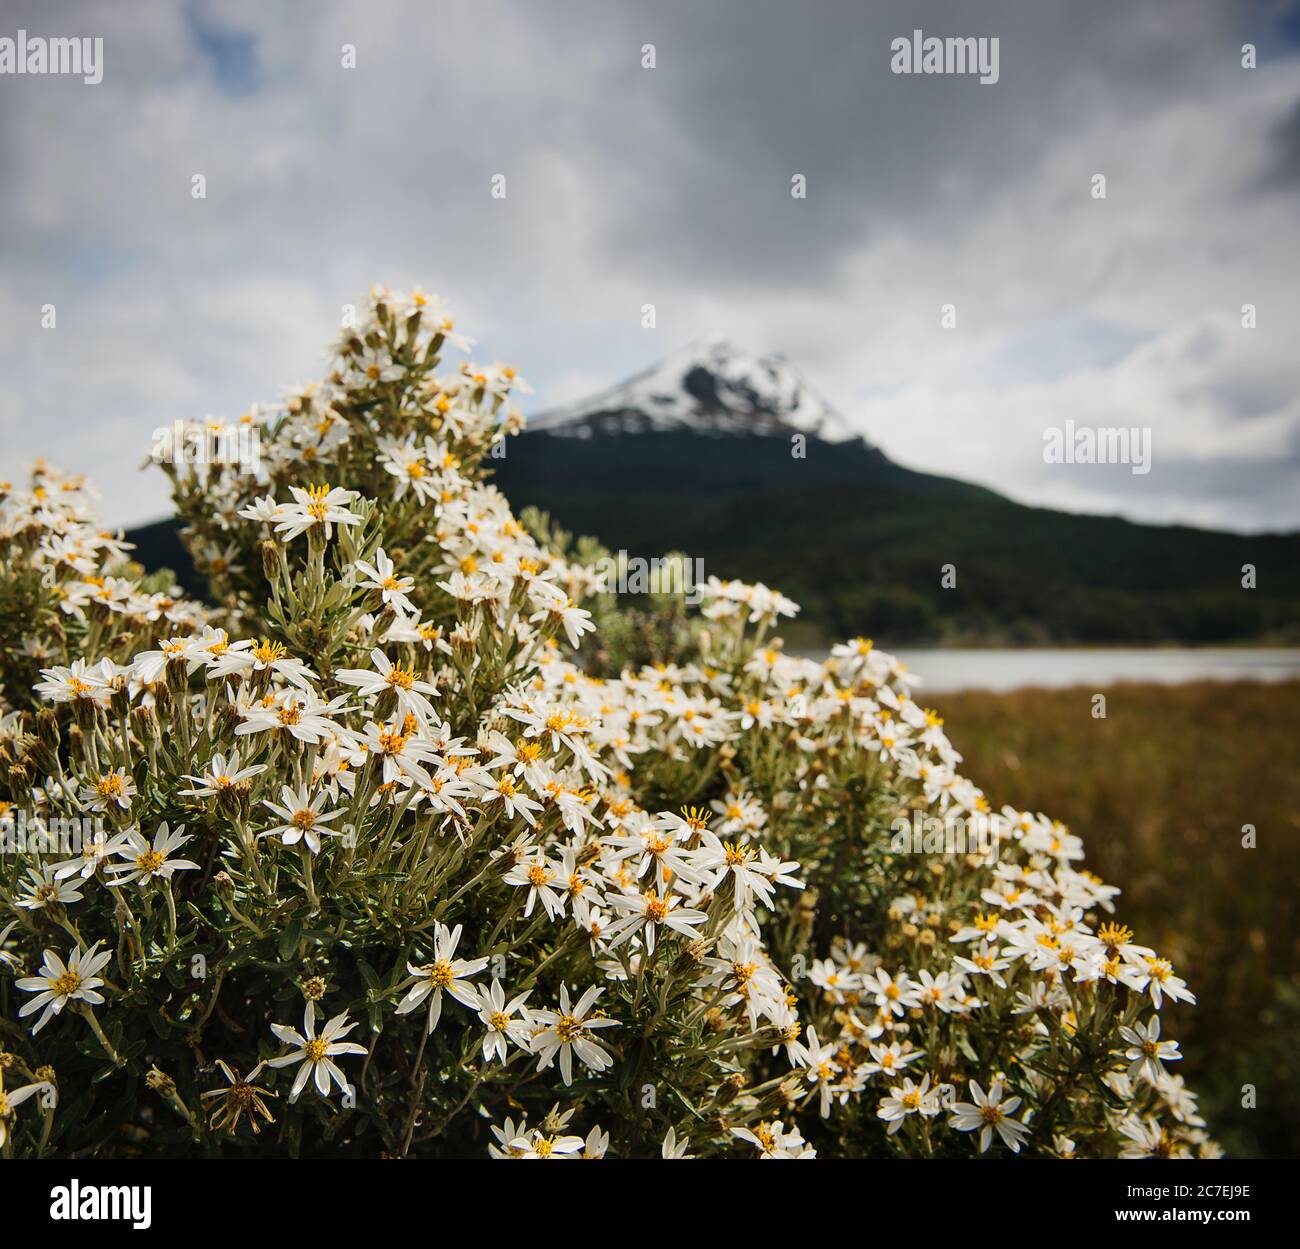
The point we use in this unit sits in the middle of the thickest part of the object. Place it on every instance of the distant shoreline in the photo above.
(1002, 670)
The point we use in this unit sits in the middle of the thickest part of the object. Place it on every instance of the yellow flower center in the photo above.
(150, 861)
(317, 508)
(568, 1029)
(401, 678)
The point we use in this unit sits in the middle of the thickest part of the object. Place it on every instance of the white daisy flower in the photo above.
(500, 1021)
(45, 888)
(58, 983)
(1147, 1052)
(303, 819)
(316, 1054)
(147, 862)
(989, 1113)
(565, 1032)
(382, 576)
(445, 972)
(11, 1099)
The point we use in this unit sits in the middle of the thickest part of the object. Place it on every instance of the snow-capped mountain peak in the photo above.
(710, 387)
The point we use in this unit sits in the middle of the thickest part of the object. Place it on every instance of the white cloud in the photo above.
(670, 186)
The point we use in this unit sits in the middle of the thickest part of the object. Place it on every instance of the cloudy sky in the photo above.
(671, 186)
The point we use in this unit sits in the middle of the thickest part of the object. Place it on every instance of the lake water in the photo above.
(950, 670)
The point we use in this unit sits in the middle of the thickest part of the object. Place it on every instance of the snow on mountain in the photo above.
(709, 388)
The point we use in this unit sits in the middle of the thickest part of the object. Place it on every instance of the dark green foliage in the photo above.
(860, 543)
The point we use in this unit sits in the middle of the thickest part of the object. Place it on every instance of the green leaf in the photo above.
(289, 939)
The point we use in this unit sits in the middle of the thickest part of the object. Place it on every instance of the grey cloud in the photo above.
(668, 186)
(1284, 167)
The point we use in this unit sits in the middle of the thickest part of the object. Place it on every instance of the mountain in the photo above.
(709, 388)
(697, 455)
(700, 455)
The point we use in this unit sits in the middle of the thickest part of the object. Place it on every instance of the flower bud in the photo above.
(691, 957)
(144, 721)
(20, 782)
(162, 697)
(83, 712)
(730, 1088)
(47, 728)
(226, 717)
(177, 677)
(121, 698)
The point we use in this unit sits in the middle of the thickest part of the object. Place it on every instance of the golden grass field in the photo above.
(1159, 790)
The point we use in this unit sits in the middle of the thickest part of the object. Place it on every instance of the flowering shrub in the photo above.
(413, 839)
